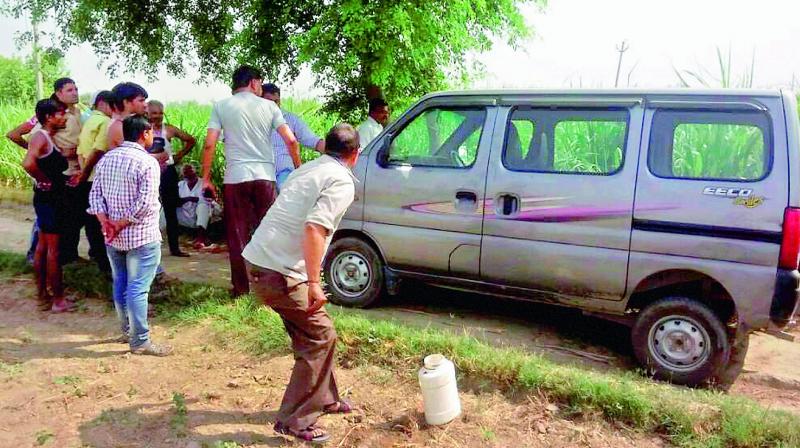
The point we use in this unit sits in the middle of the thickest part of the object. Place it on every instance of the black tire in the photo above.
(353, 255)
(695, 344)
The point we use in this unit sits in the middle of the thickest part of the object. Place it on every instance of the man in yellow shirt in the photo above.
(92, 145)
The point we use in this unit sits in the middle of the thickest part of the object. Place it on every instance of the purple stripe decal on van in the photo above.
(534, 213)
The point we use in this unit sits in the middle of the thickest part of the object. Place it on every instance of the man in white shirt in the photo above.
(285, 257)
(195, 210)
(249, 182)
(373, 125)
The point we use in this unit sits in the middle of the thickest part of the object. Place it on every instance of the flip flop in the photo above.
(68, 308)
(307, 435)
(340, 407)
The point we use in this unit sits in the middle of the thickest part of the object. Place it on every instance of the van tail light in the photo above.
(790, 243)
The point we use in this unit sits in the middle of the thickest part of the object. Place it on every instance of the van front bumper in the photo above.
(785, 299)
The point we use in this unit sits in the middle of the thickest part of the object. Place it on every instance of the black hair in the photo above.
(341, 140)
(105, 96)
(134, 126)
(61, 82)
(48, 107)
(127, 91)
(271, 88)
(244, 74)
(376, 103)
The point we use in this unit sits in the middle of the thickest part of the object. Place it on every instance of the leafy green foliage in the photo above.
(18, 78)
(406, 48)
(718, 151)
(189, 116)
(180, 419)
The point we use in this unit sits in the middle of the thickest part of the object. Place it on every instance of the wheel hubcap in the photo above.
(679, 343)
(351, 273)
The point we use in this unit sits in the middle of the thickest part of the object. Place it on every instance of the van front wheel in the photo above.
(682, 341)
(353, 272)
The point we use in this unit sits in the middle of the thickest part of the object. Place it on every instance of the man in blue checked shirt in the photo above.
(283, 161)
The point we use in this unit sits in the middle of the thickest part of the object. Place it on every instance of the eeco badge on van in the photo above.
(740, 196)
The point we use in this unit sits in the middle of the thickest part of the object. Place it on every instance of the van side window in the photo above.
(439, 137)
(569, 141)
(729, 146)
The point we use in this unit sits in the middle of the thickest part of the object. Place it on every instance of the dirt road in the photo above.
(565, 336)
(64, 382)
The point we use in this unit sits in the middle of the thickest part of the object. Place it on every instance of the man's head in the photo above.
(271, 92)
(379, 110)
(342, 142)
(51, 113)
(155, 112)
(247, 78)
(189, 171)
(66, 91)
(104, 102)
(137, 129)
(130, 98)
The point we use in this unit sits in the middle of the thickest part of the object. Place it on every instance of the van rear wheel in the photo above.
(353, 272)
(682, 341)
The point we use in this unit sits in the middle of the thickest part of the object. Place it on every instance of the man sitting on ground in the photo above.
(196, 210)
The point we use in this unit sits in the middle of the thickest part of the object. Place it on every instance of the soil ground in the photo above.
(64, 382)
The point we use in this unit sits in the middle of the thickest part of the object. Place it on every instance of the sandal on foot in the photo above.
(311, 434)
(340, 407)
(65, 307)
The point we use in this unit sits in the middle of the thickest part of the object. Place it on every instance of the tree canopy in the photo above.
(406, 48)
(18, 77)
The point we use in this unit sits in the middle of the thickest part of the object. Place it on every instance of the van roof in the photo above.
(676, 92)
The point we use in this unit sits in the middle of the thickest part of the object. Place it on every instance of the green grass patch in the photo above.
(10, 370)
(685, 417)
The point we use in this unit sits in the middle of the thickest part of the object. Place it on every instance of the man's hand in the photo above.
(109, 232)
(75, 179)
(161, 158)
(316, 298)
(208, 185)
(111, 229)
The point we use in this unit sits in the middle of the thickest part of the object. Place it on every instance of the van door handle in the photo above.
(506, 204)
(466, 201)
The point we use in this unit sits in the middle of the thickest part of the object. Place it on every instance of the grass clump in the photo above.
(685, 417)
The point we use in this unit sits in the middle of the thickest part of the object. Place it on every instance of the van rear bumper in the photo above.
(785, 299)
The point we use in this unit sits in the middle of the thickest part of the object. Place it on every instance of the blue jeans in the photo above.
(133, 272)
(34, 240)
(280, 177)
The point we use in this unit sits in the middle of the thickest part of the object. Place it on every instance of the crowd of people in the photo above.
(112, 169)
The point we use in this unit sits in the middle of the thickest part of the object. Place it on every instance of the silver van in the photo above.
(675, 212)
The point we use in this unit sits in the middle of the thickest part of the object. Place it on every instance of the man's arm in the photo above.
(209, 147)
(115, 137)
(15, 135)
(321, 220)
(187, 139)
(307, 137)
(291, 143)
(148, 181)
(314, 237)
(35, 149)
(90, 163)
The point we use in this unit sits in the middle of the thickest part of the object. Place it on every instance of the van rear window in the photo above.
(566, 141)
(729, 146)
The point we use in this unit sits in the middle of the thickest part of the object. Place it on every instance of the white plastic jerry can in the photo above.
(437, 379)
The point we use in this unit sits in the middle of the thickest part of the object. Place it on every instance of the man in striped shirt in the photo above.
(124, 197)
(284, 165)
